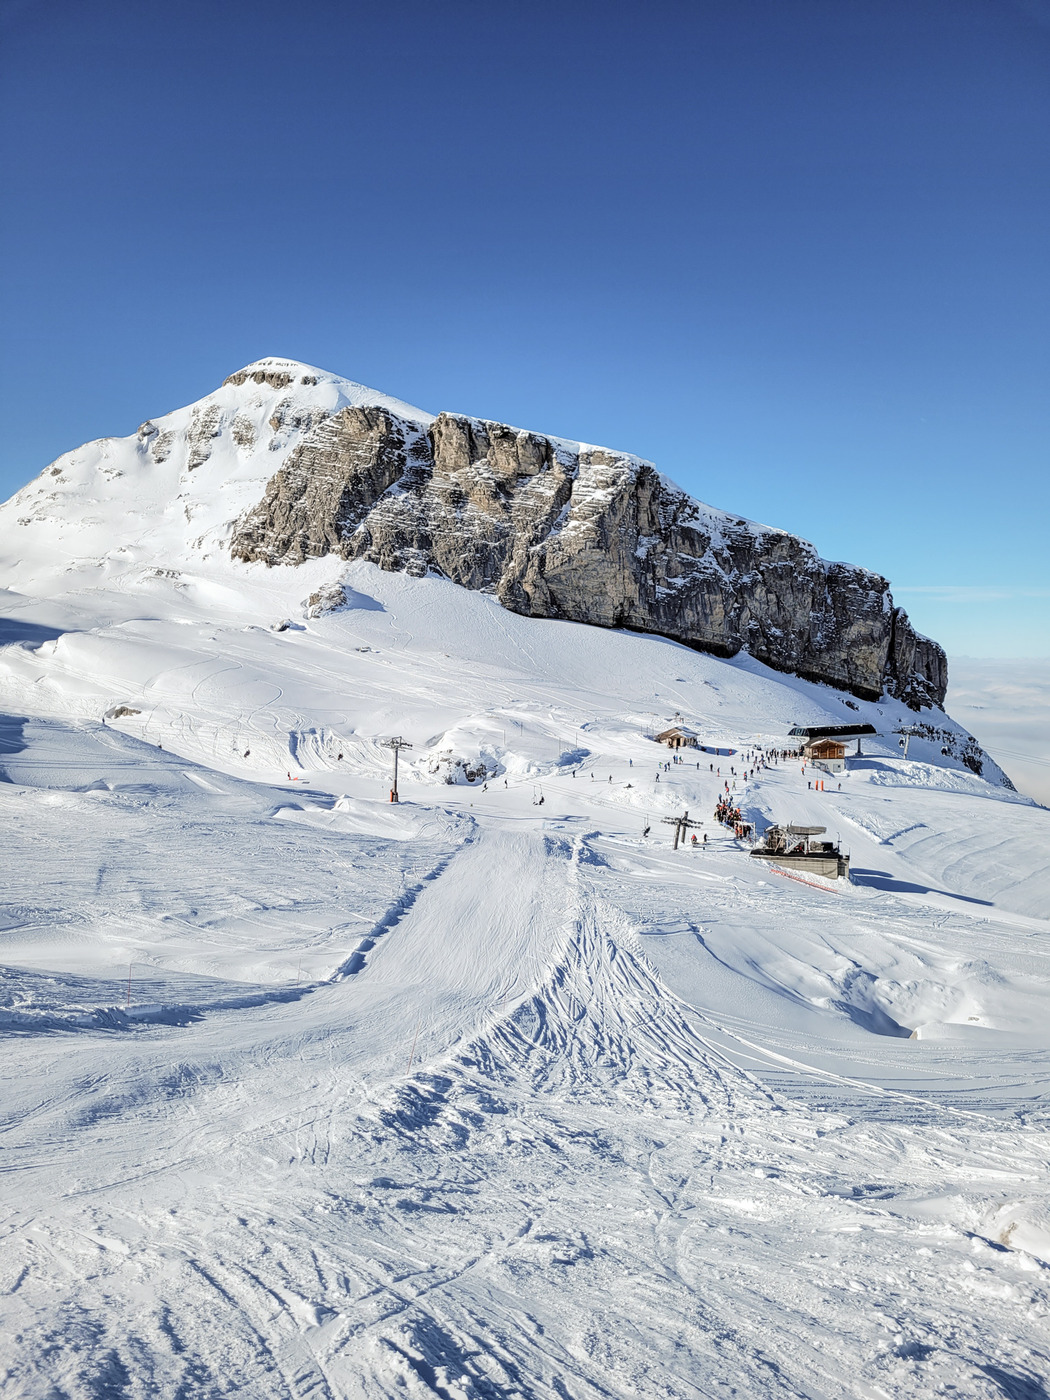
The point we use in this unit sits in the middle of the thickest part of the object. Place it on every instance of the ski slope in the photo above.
(307, 1094)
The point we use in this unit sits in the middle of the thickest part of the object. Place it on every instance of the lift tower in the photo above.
(397, 744)
(681, 826)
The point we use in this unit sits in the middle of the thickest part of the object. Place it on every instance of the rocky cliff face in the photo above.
(328, 485)
(558, 529)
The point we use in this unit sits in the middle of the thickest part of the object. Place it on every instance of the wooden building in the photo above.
(828, 754)
(678, 737)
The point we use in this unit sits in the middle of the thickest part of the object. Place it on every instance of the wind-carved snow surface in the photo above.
(307, 1094)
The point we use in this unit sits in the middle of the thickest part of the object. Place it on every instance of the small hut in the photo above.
(678, 737)
(828, 754)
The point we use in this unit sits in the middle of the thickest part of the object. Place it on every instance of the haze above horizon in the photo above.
(793, 253)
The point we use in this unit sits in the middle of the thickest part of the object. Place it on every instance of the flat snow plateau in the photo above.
(307, 1095)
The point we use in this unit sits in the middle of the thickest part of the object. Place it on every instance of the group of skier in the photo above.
(726, 814)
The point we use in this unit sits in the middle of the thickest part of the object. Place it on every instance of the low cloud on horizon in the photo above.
(970, 592)
(1006, 705)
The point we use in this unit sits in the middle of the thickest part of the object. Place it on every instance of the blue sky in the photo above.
(794, 251)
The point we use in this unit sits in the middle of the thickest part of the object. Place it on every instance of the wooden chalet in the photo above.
(678, 737)
(828, 754)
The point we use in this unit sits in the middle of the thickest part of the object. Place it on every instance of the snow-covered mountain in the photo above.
(286, 462)
(173, 492)
(489, 1093)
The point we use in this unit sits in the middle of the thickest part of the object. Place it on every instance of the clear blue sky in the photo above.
(796, 252)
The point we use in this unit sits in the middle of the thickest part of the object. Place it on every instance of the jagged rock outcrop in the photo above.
(272, 376)
(917, 667)
(564, 530)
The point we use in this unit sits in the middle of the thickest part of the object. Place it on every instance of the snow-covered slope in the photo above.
(481, 1095)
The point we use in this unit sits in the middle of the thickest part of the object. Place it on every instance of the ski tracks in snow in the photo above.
(605, 1106)
(575, 1195)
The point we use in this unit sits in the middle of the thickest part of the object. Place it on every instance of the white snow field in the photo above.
(310, 1095)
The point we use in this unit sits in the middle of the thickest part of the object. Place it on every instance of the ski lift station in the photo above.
(800, 848)
(825, 745)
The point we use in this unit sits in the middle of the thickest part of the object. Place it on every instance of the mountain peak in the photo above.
(276, 373)
(297, 379)
(286, 462)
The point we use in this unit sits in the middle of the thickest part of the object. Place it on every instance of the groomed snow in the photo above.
(307, 1094)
